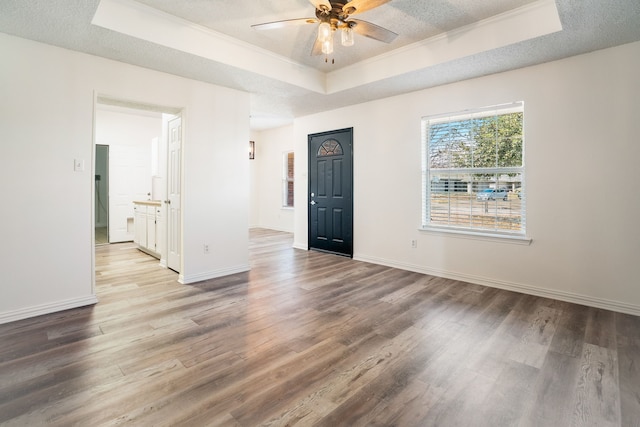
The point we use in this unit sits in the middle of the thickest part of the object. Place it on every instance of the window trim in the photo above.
(286, 180)
(519, 236)
(519, 239)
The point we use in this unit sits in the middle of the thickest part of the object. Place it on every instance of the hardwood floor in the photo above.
(307, 338)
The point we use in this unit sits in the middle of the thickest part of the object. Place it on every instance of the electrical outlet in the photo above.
(206, 248)
(414, 244)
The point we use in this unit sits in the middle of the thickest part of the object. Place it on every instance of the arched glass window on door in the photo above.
(330, 147)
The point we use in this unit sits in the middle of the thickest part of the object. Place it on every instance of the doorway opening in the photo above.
(101, 198)
(136, 160)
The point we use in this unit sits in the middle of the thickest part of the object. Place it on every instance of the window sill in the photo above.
(287, 208)
(477, 235)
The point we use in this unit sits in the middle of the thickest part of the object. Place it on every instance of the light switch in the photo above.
(78, 165)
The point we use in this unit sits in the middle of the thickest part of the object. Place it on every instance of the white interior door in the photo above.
(129, 171)
(174, 202)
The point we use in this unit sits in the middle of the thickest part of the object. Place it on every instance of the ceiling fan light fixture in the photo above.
(327, 46)
(324, 32)
(347, 36)
(334, 15)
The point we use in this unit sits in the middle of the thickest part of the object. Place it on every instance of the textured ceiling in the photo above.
(411, 20)
(587, 25)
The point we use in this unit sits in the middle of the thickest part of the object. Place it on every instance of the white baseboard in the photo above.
(275, 228)
(193, 278)
(38, 310)
(618, 306)
(304, 247)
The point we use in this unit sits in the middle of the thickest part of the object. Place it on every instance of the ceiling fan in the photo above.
(334, 15)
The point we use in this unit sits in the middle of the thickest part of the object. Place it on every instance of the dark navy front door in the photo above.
(331, 192)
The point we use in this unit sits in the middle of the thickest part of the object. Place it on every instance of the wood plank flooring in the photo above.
(308, 338)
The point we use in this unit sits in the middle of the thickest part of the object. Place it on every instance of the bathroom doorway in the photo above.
(132, 154)
(102, 194)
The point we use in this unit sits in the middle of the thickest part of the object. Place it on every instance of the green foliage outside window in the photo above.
(486, 142)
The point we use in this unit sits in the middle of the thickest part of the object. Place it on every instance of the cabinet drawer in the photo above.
(141, 209)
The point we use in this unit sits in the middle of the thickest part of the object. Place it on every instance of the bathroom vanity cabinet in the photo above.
(147, 222)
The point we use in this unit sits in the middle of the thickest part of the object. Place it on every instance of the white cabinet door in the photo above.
(140, 225)
(160, 234)
(151, 228)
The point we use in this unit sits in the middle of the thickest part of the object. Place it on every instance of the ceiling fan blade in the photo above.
(359, 6)
(317, 48)
(321, 4)
(285, 23)
(373, 31)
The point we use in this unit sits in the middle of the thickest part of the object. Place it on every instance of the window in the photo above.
(473, 171)
(287, 180)
(330, 147)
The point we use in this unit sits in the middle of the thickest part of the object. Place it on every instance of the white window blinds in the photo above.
(473, 170)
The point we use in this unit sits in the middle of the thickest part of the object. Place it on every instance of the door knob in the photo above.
(313, 202)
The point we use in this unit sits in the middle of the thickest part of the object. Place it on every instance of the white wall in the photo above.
(582, 151)
(254, 184)
(46, 117)
(271, 146)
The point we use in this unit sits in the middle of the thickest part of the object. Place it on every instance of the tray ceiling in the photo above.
(439, 42)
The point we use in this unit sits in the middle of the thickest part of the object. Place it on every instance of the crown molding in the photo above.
(137, 20)
(524, 23)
